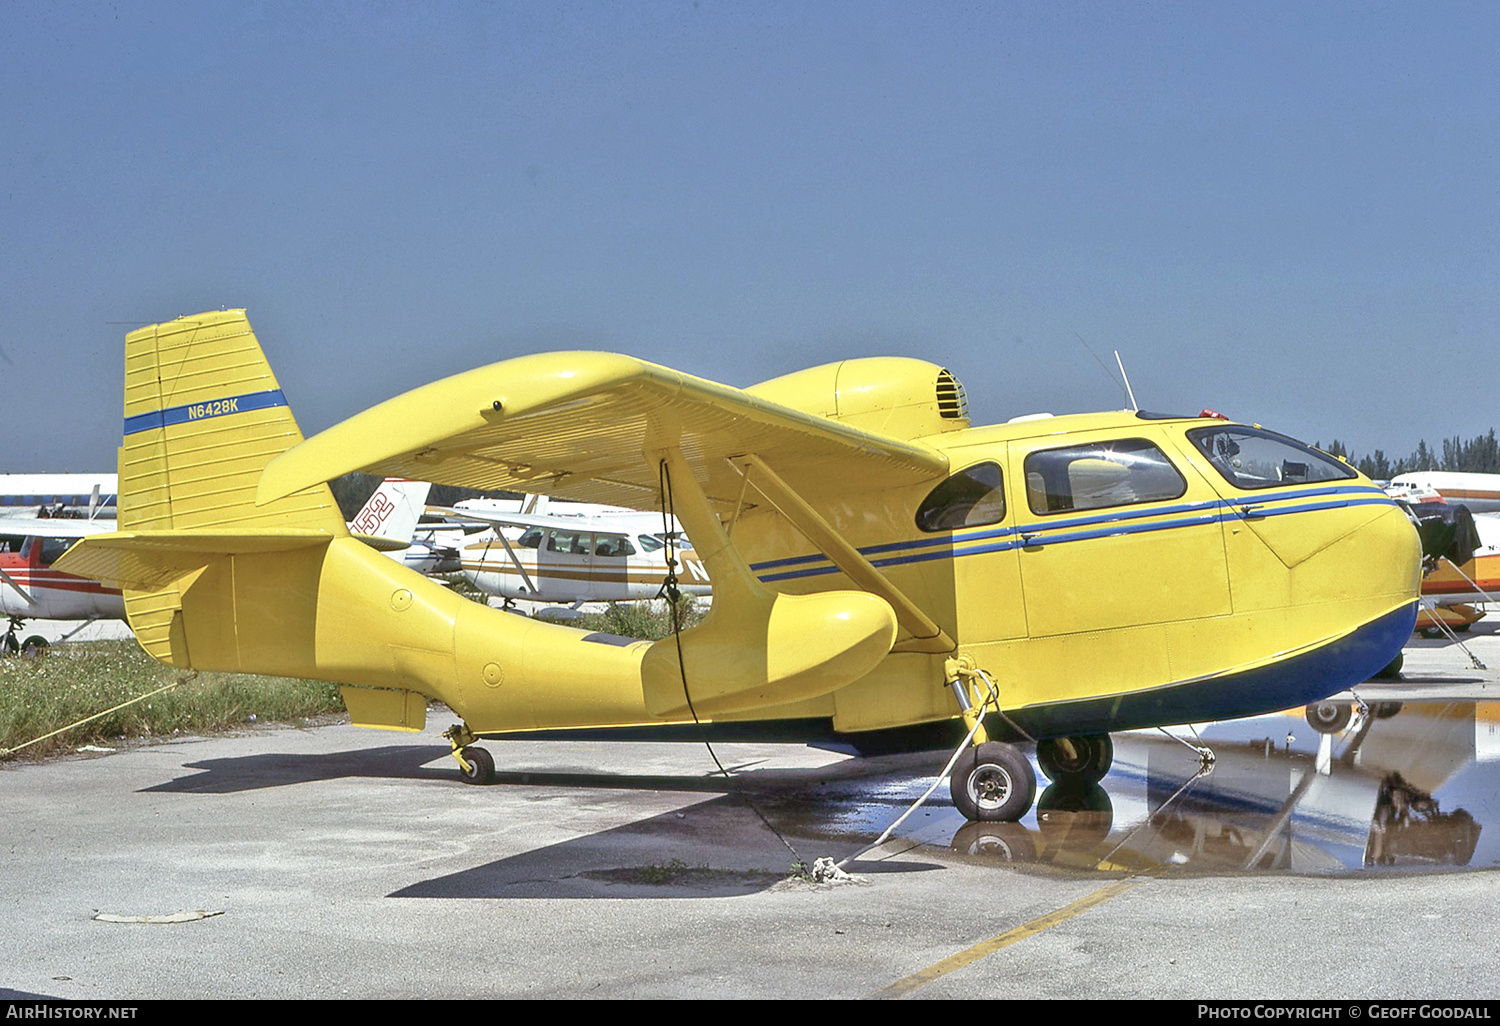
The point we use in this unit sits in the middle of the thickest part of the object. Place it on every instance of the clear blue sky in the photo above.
(1285, 211)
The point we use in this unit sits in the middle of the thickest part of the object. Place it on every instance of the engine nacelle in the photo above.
(889, 395)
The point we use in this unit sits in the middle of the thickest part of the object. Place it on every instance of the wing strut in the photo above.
(26, 595)
(516, 562)
(926, 636)
(756, 648)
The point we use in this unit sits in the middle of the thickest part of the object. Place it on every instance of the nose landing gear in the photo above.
(33, 647)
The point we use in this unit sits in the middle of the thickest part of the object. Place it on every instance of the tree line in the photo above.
(352, 491)
(1479, 455)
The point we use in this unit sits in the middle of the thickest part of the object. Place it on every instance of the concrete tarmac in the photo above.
(334, 862)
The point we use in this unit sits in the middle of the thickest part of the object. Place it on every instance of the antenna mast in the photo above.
(1128, 390)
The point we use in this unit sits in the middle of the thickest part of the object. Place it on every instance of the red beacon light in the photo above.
(1215, 414)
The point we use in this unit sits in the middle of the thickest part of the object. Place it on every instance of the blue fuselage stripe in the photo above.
(1105, 525)
(193, 412)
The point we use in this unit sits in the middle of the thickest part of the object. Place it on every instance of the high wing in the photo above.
(53, 527)
(522, 520)
(580, 425)
(562, 521)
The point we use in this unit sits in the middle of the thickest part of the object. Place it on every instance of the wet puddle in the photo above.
(1406, 786)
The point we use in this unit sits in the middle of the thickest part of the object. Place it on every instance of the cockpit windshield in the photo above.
(1252, 458)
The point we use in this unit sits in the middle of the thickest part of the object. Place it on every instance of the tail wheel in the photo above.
(1076, 760)
(481, 769)
(993, 781)
(1329, 717)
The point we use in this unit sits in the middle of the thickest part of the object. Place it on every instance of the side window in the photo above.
(649, 542)
(1101, 474)
(531, 538)
(1250, 459)
(568, 542)
(971, 498)
(613, 546)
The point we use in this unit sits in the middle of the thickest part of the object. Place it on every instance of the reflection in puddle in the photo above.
(1395, 786)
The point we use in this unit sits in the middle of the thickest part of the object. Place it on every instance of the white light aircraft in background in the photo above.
(1479, 492)
(41, 495)
(575, 553)
(31, 590)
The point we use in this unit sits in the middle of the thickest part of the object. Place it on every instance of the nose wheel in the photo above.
(11, 644)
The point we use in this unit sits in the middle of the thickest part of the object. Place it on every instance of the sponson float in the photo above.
(878, 564)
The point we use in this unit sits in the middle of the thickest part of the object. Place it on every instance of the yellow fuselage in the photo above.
(1107, 570)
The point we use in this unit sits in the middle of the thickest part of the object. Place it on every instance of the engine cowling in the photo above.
(888, 395)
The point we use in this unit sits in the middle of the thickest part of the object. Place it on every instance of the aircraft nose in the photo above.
(1368, 575)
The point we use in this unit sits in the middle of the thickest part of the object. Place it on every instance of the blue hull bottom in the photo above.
(1309, 677)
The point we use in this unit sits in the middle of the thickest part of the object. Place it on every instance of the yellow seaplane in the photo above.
(878, 564)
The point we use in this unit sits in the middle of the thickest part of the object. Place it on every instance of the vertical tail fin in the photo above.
(203, 417)
(393, 510)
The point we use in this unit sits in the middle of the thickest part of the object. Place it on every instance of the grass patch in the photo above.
(649, 621)
(79, 679)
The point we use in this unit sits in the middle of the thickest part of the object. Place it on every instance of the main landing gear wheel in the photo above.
(34, 647)
(481, 769)
(1329, 717)
(993, 781)
(1076, 760)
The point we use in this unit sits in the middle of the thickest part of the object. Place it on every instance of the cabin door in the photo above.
(564, 564)
(1114, 534)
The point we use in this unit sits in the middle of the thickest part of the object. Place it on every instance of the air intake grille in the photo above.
(951, 401)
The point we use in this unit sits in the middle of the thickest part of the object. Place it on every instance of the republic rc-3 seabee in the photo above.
(877, 563)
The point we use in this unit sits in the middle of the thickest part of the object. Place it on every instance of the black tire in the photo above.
(9, 645)
(1329, 717)
(1076, 760)
(993, 782)
(482, 766)
(1392, 669)
(35, 647)
(1385, 710)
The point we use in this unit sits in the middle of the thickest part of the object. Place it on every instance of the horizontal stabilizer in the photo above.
(148, 560)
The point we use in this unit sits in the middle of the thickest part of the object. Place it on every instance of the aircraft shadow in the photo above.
(734, 854)
(252, 772)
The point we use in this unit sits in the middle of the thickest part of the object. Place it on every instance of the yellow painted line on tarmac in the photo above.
(969, 956)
